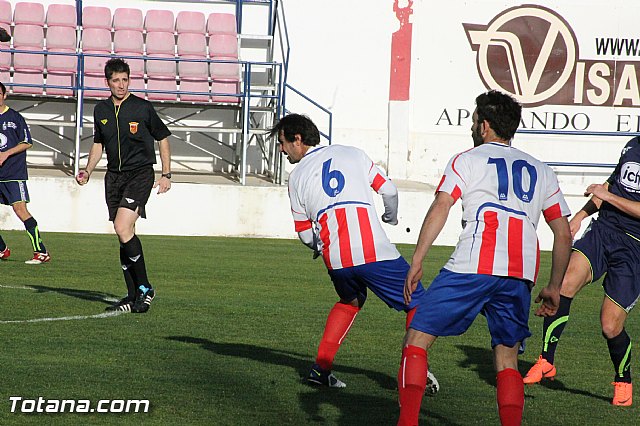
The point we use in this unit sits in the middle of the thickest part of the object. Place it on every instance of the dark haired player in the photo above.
(611, 246)
(127, 127)
(331, 197)
(503, 191)
(15, 139)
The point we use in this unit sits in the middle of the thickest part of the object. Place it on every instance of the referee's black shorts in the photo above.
(130, 189)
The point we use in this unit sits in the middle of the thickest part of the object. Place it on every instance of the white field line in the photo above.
(69, 318)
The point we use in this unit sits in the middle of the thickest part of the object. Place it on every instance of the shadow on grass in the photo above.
(354, 408)
(89, 295)
(480, 360)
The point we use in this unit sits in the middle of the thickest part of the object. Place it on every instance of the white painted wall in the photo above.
(60, 205)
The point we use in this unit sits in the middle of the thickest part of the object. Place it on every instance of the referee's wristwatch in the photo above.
(167, 175)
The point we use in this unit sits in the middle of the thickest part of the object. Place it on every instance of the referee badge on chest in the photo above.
(133, 127)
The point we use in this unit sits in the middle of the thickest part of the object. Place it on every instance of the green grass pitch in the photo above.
(234, 327)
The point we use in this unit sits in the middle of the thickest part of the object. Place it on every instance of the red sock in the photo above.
(410, 316)
(510, 397)
(338, 324)
(412, 380)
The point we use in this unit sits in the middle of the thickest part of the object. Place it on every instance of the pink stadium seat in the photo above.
(98, 82)
(190, 22)
(164, 85)
(161, 45)
(218, 89)
(96, 41)
(96, 17)
(225, 71)
(28, 68)
(221, 23)
(127, 19)
(63, 15)
(28, 37)
(5, 13)
(159, 20)
(5, 22)
(130, 43)
(137, 83)
(192, 46)
(64, 79)
(28, 13)
(223, 45)
(28, 77)
(161, 74)
(194, 76)
(62, 40)
(194, 86)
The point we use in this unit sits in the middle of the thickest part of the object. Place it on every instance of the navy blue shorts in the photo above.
(13, 192)
(616, 253)
(453, 301)
(385, 279)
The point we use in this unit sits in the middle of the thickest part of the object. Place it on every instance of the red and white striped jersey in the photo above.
(503, 192)
(330, 194)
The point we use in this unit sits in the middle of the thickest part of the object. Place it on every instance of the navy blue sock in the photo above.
(3, 245)
(620, 352)
(553, 327)
(34, 235)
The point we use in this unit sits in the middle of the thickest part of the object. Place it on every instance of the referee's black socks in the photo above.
(34, 234)
(133, 251)
(127, 272)
(3, 245)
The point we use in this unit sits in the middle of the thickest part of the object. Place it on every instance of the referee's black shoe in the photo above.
(143, 300)
(125, 304)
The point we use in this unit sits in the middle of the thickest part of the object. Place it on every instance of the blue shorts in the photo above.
(13, 191)
(385, 279)
(453, 301)
(616, 253)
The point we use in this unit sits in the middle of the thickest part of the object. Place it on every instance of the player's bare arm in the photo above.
(625, 205)
(550, 295)
(94, 157)
(164, 183)
(432, 225)
(21, 147)
(590, 207)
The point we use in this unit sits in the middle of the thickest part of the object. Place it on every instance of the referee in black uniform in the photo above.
(126, 126)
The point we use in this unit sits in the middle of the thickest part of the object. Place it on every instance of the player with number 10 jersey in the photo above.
(507, 190)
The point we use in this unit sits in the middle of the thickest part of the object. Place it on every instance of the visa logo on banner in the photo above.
(531, 52)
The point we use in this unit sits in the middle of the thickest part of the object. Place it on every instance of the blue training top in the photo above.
(13, 131)
(624, 182)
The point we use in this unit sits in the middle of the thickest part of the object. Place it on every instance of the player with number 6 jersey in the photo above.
(332, 203)
(331, 189)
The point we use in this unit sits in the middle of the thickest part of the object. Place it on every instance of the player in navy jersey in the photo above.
(611, 246)
(15, 139)
(503, 191)
(331, 197)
